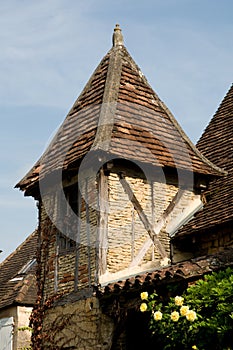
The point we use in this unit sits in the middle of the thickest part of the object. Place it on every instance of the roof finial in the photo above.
(117, 38)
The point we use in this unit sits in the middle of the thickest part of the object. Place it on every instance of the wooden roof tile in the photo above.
(188, 270)
(16, 287)
(216, 143)
(118, 99)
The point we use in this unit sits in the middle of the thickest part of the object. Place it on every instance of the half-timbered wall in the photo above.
(68, 257)
(84, 257)
(130, 249)
(126, 231)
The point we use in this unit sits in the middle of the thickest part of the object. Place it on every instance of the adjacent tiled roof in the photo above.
(216, 143)
(118, 112)
(17, 287)
(190, 271)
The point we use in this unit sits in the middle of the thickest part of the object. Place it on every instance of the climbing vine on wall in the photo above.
(42, 305)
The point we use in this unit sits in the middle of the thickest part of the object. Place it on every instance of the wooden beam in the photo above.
(132, 234)
(56, 266)
(157, 228)
(77, 243)
(137, 206)
(168, 211)
(142, 252)
(152, 214)
(88, 232)
(102, 222)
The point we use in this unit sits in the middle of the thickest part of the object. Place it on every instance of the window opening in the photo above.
(68, 237)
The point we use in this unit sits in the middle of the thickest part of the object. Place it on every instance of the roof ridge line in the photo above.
(88, 84)
(175, 123)
(109, 102)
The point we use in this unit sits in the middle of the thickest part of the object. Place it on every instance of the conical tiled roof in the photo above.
(120, 114)
(216, 143)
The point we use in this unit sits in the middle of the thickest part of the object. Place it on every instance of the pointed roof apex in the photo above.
(119, 113)
(117, 38)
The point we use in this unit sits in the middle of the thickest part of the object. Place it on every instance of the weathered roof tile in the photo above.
(188, 270)
(16, 287)
(216, 143)
(118, 110)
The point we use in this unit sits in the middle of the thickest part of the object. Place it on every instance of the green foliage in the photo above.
(23, 329)
(201, 319)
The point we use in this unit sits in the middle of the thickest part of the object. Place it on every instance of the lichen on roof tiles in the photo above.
(118, 97)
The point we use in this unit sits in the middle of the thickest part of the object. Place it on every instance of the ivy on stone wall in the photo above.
(42, 305)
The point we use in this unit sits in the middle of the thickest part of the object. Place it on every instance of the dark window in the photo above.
(66, 244)
(69, 221)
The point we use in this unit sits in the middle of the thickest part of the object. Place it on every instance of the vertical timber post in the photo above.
(77, 243)
(102, 222)
(88, 232)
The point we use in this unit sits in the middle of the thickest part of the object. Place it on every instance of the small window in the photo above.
(24, 270)
(65, 244)
(66, 238)
(27, 266)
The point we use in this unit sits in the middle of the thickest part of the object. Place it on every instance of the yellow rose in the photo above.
(179, 301)
(144, 295)
(158, 315)
(143, 307)
(183, 310)
(194, 347)
(191, 315)
(175, 316)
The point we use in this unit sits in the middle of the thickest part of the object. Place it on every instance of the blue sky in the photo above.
(49, 49)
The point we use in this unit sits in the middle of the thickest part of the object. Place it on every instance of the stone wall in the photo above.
(78, 325)
(204, 243)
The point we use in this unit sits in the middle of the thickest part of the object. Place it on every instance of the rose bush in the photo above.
(201, 319)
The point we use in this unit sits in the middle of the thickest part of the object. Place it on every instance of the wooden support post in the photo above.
(88, 233)
(56, 260)
(102, 222)
(132, 234)
(142, 216)
(152, 214)
(77, 240)
(56, 266)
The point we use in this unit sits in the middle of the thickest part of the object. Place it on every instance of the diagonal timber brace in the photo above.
(157, 228)
(144, 219)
